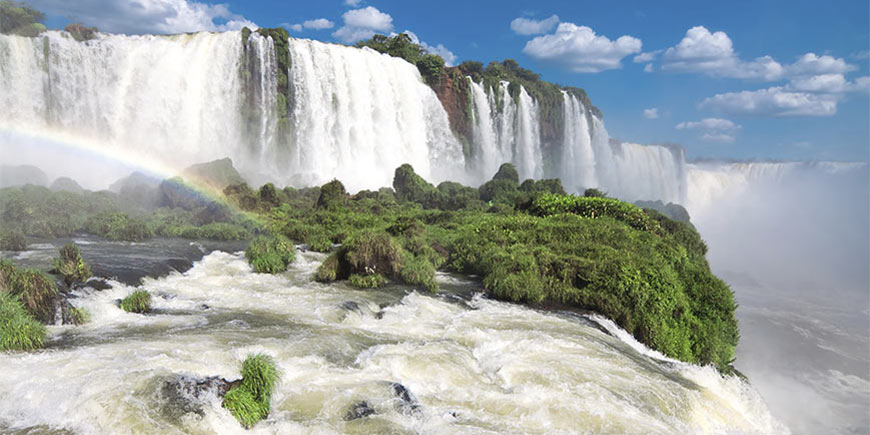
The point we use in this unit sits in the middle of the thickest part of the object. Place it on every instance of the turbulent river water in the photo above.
(472, 365)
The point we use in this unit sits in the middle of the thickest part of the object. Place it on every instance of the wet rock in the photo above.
(359, 410)
(407, 402)
(180, 264)
(351, 306)
(98, 284)
(186, 394)
(62, 311)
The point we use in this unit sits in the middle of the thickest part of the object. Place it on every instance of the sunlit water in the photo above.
(474, 365)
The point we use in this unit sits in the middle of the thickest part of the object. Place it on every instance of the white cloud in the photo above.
(292, 27)
(579, 49)
(647, 57)
(352, 3)
(810, 64)
(708, 124)
(526, 26)
(828, 83)
(648, 68)
(718, 137)
(440, 49)
(651, 113)
(318, 24)
(147, 16)
(362, 24)
(775, 101)
(713, 54)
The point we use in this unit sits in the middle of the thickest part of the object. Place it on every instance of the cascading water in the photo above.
(360, 114)
(578, 159)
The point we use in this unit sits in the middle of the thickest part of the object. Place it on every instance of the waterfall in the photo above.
(353, 114)
(359, 114)
(578, 158)
(153, 95)
(488, 156)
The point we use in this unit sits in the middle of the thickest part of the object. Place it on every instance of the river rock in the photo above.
(407, 402)
(186, 394)
(359, 410)
(180, 264)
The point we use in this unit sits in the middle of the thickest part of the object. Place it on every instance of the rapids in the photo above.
(473, 365)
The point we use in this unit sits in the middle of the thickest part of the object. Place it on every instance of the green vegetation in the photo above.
(38, 212)
(18, 329)
(251, 401)
(79, 315)
(431, 66)
(31, 287)
(367, 281)
(80, 32)
(17, 18)
(270, 254)
(137, 302)
(70, 264)
(12, 240)
(534, 245)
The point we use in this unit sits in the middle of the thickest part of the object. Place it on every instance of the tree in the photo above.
(20, 19)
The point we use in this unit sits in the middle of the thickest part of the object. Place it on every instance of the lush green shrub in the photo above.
(373, 252)
(71, 265)
(118, 226)
(35, 290)
(594, 193)
(431, 67)
(137, 302)
(330, 270)
(268, 195)
(648, 283)
(270, 254)
(250, 402)
(18, 330)
(499, 191)
(332, 195)
(594, 207)
(418, 271)
(12, 241)
(18, 18)
(507, 171)
(80, 32)
(367, 281)
(411, 187)
(79, 315)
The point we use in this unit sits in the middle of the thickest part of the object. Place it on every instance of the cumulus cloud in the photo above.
(811, 64)
(352, 3)
(318, 24)
(526, 26)
(647, 57)
(651, 113)
(292, 27)
(774, 101)
(363, 23)
(579, 49)
(440, 49)
(708, 124)
(713, 54)
(147, 16)
(648, 68)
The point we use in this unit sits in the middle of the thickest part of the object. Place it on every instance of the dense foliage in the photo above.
(431, 66)
(270, 254)
(534, 245)
(137, 302)
(18, 18)
(38, 212)
(18, 329)
(250, 402)
(70, 264)
(34, 290)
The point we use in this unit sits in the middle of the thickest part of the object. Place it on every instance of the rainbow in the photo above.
(113, 152)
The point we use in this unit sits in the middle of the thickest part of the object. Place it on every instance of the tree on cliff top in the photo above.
(20, 19)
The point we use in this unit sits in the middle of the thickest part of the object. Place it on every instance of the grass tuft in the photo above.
(250, 402)
(18, 329)
(138, 302)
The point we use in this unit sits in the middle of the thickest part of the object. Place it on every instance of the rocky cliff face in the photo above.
(452, 91)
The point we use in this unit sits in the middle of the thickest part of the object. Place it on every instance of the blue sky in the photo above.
(743, 79)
